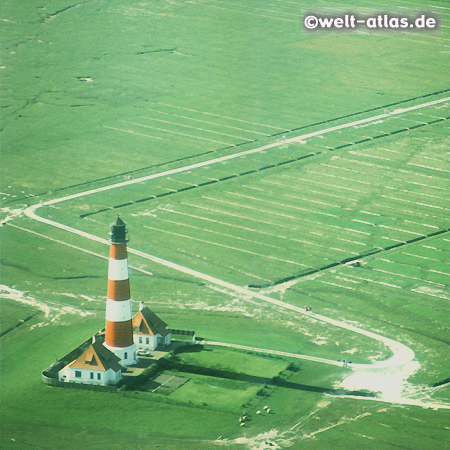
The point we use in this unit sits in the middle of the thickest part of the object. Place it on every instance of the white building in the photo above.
(96, 365)
(149, 331)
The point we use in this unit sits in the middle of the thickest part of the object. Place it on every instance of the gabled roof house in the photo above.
(149, 331)
(96, 365)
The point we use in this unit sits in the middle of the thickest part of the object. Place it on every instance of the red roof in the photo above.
(97, 357)
(147, 322)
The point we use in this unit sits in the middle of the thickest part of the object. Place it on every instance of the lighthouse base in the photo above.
(127, 355)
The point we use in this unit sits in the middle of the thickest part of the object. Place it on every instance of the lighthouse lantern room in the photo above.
(118, 328)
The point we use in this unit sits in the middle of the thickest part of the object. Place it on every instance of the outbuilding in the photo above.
(96, 365)
(149, 331)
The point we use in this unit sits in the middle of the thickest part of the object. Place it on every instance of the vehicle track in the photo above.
(401, 354)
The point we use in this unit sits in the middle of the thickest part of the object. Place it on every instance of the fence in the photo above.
(182, 332)
(50, 374)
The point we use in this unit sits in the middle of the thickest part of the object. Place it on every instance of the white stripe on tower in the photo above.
(118, 269)
(118, 311)
(118, 328)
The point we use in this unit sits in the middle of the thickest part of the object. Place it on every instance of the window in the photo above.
(77, 373)
(99, 376)
(91, 375)
(147, 340)
(140, 340)
(125, 355)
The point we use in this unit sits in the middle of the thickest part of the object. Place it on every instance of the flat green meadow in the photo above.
(247, 158)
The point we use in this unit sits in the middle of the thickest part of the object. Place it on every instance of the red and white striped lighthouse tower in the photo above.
(118, 330)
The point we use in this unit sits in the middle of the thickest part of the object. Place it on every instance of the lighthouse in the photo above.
(118, 329)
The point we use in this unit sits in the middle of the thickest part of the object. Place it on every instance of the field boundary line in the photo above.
(176, 132)
(237, 155)
(358, 113)
(89, 252)
(133, 132)
(222, 117)
(196, 128)
(205, 121)
(272, 352)
(402, 401)
(401, 353)
(228, 286)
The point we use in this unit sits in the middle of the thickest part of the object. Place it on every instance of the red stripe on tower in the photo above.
(119, 330)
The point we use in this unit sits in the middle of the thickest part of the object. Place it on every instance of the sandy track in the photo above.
(244, 153)
(402, 358)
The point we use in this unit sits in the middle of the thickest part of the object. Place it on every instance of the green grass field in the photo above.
(103, 92)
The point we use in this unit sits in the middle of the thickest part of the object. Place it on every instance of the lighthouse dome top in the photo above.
(118, 233)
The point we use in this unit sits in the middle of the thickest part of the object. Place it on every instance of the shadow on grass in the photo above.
(192, 349)
(171, 364)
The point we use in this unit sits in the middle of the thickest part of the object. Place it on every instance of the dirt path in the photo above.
(240, 154)
(402, 359)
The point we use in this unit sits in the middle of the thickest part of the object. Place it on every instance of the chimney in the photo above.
(141, 306)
